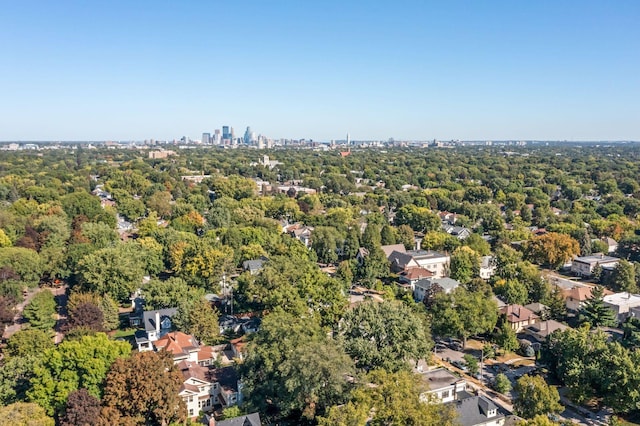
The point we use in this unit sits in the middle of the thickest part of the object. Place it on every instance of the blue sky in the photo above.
(131, 70)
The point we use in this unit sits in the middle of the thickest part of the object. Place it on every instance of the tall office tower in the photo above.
(232, 133)
(247, 135)
(217, 137)
(206, 138)
(225, 132)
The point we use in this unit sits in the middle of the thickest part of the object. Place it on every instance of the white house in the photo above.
(622, 303)
(487, 267)
(204, 389)
(156, 324)
(584, 265)
(424, 286)
(433, 261)
(443, 386)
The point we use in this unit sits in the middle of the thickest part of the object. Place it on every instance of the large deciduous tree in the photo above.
(462, 314)
(73, 365)
(24, 414)
(535, 397)
(385, 335)
(82, 409)
(552, 249)
(389, 399)
(144, 388)
(465, 264)
(294, 369)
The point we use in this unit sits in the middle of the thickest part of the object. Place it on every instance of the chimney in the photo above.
(158, 322)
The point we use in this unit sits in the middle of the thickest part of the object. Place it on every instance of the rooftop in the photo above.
(622, 299)
(440, 378)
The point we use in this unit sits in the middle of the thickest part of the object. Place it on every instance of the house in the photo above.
(252, 419)
(300, 232)
(540, 330)
(518, 317)
(433, 261)
(487, 267)
(459, 232)
(427, 286)
(401, 261)
(443, 385)
(254, 266)
(583, 266)
(388, 249)
(203, 389)
(182, 346)
(411, 276)
(635, 312)
(538, 308)
(156, 324)
(622, 303)
(478, 411)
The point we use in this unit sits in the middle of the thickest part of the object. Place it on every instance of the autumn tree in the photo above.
(24, 414)
(552, 249)
(86, 315)
(198, 318)
(82, 409)
(145, 388)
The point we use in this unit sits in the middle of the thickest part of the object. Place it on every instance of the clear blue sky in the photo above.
(123, 70)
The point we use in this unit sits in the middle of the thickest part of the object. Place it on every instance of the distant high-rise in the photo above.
(217, 137)
(247, 135)
(225, 132)
(348, 139)
(206, 138)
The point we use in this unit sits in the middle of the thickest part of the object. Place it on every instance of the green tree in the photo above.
(41, 310)
(420, 219)
(471, 362)
(385, 335)
(199, 319)
(462, 313)
(595, 313)
(16, 373)
(325, 243)
(506, 338)
(502, 383)
(159, 294)
(623, 277)
(294, 369)
(391, 399)
(351, 243)
(73, 365)
(24, 262)
(405, 236)
(535, 397)
(387, 235)
(116, 271)
(29, 342)
(465, 264)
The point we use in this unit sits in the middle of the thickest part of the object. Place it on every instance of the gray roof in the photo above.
(253, 266)
(149, 317)
(252, 419)
(399, 258)
(446, 283)
(474, 411)
(440, 378)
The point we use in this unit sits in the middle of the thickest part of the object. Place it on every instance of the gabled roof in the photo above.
(543, 329)
(388, 249)
(447, 284)
(252, 419)
(517, 313)
(149, 317)
(254, 265)
(400, 259)
(178, 343)
(227, 377)
(475, 410)
(416, 274)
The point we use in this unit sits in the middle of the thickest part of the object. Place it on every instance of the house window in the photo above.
(209, 402)
(445, 394)
(191, 412)
(190, 399)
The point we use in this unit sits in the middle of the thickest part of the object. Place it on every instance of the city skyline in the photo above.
(409, 70)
